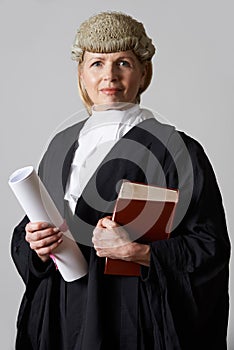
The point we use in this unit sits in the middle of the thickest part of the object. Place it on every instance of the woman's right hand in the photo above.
(43, 238)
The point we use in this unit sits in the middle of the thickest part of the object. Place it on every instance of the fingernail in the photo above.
(56, 229)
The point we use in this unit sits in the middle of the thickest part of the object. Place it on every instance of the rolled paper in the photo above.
(39, 206)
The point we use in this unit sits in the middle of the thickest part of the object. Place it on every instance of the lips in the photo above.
(110, 91)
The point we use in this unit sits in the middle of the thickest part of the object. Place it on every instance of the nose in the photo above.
(110, 72)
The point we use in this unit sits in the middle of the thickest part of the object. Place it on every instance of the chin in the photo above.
(114, 99)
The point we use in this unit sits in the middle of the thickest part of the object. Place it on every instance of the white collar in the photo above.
(100, 118)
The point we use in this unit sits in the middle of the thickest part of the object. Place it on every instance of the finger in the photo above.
(109, 243)
(108, 253)
(97, 232)
(103, 233)
(100, 253)
(48, 250)
(46, 242)
(36, 226)
(38, 235)
(108, 223)
(100, 222)
(123, 252)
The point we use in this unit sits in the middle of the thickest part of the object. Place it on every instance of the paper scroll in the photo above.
(39, 206)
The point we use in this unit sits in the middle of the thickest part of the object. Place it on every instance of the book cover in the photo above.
(146, 212)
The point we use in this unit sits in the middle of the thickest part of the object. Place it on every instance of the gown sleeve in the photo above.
(191, 268)
(201, 236)
(26, 260)
(50, 172)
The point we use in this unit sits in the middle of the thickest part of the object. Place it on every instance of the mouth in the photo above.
(110, 91)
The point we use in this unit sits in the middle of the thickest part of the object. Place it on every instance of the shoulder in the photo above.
(170, 136)
(67, 135)
(153, 125)
(197, 153)
(59, 146)
(185, 151)
(152, 131)
(193, 145)
(193, 160)
(64, 140)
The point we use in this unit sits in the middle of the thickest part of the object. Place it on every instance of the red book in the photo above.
(146, 212)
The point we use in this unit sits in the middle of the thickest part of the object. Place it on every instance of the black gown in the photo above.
(180, 302)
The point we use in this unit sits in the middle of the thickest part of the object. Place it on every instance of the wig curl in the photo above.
(112, 32)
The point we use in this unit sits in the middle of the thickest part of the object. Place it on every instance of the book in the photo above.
(146, 212)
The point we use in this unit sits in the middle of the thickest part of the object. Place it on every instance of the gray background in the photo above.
(192, 88)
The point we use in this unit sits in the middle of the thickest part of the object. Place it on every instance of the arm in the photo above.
(200, 239)
(25, 258)
(30, 248)
(191, 268)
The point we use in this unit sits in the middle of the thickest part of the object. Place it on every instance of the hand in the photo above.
(112, 241)
(43, 238)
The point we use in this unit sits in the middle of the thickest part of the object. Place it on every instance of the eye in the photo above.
(124, 63)
(96, 64)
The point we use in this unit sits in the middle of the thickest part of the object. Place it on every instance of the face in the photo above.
(112, 77)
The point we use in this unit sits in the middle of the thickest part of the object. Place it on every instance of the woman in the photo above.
(180, 300)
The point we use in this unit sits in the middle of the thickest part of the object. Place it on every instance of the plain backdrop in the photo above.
(192, 88)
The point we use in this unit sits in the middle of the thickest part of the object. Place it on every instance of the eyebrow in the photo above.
(102, 58)
(94, 58)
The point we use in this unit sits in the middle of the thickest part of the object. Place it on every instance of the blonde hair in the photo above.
(112, 32)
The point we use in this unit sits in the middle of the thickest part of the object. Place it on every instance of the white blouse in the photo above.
(98, 135)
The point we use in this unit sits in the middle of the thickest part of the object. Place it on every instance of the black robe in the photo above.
(180, 302)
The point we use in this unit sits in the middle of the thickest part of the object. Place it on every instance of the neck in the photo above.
(121, 106)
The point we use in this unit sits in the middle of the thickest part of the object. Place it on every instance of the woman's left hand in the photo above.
(112, 241)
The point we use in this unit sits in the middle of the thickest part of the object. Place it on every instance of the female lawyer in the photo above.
(180, 300)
